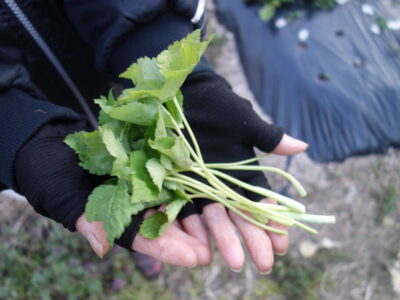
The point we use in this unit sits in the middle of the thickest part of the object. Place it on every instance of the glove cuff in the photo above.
(127, 237)
(47, 173)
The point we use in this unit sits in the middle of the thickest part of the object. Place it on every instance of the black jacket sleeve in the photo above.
(23, 110)
(122, 31)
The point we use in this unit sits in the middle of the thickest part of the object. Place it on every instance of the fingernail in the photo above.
(266, 272)
(96, 245)
(281, 253)
(236, 270)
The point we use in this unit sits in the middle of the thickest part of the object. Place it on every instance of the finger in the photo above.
(280, 242)
(94, 233)
(194, 226)
(257, 242)
(177, 224)
(222, 229)
(166, 248)
(203, 252)
(167, 251)
(290, 146)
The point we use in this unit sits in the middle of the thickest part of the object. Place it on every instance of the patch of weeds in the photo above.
(46, 262)
(264, 288)
(385, 201)
(299, 278)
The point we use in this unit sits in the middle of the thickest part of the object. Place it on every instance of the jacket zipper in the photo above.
(16, 10)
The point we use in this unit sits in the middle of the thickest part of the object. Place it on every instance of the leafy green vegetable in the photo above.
(157, 171)
(92, 152)
(111, 205)
(157, 223)
(140, 143)
(151, 227)
(135, 113)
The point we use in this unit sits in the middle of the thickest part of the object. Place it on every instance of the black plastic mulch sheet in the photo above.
(326, 77)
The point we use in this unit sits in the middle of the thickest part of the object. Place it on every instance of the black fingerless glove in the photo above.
(47, 172)
(227, 128)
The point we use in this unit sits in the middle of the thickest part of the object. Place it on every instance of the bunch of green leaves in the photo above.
(136, 145)
(141, 145)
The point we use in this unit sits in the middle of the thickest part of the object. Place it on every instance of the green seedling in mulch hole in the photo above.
(270, 7)
(140, 143)
(324, 76)
(382, 22)
(325, 4)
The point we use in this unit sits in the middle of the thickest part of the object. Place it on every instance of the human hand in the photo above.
(225, 225)
(48, 173)
(186, 242)
(228, 129)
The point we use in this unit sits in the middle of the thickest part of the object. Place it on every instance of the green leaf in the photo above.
(143, 187)
(111, 205)
(267, 12)
(114, 146)
(163, 76)
(163, 121)
(172, 210)
(178, 190)
(166, 162)
(157, 171)
(178, 61)
(92, 152)
(162, 144)
(104, 104)
(151, 226)
(156, 224)
(135, 113)
(164, 197)
(175, 149)
(141, 193)
(144, 74)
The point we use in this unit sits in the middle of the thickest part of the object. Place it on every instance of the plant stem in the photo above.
(296, 184)
(309, 218)
(238, 163)
(294, 205)
(227, 204)
(189, 129)
(180, 133)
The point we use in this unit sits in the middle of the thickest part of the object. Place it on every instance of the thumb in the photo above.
(94, 233)
(261, 134)
(290, 146)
